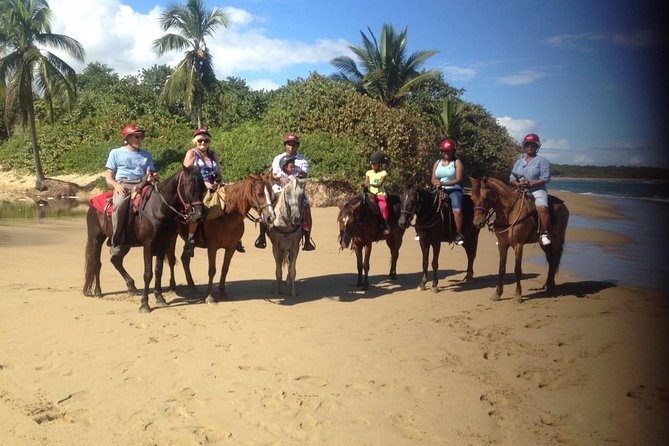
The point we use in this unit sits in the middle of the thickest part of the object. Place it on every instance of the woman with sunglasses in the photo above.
(206, 162)
(126, 166)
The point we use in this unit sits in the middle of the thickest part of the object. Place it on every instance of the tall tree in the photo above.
(195, 73)
(452, 114)
(28, 72)
(385, 72)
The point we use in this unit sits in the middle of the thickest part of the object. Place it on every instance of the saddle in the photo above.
(103, 202)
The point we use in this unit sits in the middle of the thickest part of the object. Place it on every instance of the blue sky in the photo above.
(584, 75)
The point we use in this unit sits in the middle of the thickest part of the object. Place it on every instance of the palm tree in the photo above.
(28, 72)
(385, 70)
(195, 73)
(452, 114)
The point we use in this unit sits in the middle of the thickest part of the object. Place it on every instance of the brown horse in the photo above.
(359, 225)
(224, 232)
(435, 224)
(516, 224)
(153, 228)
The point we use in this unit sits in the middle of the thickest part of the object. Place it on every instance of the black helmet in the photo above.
(378, 157)
(285, 160)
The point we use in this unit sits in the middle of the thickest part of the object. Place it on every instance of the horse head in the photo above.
(410, 205)
(263, 195)
(348, 221)
(190, 190)
(290, 204)
(481, 197)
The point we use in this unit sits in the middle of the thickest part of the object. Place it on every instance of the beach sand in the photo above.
(335, 366)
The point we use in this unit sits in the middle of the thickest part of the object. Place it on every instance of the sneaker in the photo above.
(459, 240)
(545, 239)
(260, 243)
(240, 247)
(308, 245)
(417, 237)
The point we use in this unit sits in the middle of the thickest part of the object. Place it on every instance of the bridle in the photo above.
(488, 212)
(260, 207)
(188, 207)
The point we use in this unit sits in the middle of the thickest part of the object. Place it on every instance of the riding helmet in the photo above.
(291, 137)
(532, 138)
(378, 157)
(130, 129)
(447, 144)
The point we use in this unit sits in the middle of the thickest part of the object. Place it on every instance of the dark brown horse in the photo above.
(224, 232)
(359, 226)
(179, 197)
(435, 224)
(515, 224)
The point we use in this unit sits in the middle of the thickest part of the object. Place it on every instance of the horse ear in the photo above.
(473, 180)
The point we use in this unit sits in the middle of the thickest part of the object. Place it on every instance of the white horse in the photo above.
(286, 232)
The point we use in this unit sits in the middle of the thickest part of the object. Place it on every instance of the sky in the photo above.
(585, 75)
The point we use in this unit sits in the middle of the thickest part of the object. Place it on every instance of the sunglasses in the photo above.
(200, 141)
(137, 135)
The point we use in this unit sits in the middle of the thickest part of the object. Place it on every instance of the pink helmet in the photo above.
(532, 138)
(291, 137)
(447, 144)
(130, 129)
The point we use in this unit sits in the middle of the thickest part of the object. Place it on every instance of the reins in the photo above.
(489, 212)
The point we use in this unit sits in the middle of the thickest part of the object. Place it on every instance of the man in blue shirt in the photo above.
(126, 166)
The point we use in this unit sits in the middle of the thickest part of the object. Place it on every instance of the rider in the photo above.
(533, 172)
(287, 165)
(291, 143)
(447, 174)
(126, 166)
(374, 179)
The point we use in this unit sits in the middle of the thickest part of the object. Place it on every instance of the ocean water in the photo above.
(645, 207)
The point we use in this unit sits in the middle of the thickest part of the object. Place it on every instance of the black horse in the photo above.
(153, 227)
(435, 224)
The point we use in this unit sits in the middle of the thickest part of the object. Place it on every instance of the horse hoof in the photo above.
(162, 304)
(495, 297)
(210, 300)
(144, 309)
(519, 299)
(435, 289)
(420, 288)
(393, 276)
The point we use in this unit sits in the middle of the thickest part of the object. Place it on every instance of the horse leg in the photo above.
(518, 270)
(394, 242)
(358, 259)
(172, 261)
(365, 266)
(229, 252)
(292, 270)
(185, 261)
(552, 255)
(278, 272)
(471, 244)
(117, 261)
(436, 249)
(503, 251)
(93, 265)
(148, 275)
(425, 250)
(158, 288)
(211, 272)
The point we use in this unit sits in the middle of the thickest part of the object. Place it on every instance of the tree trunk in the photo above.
(39, 173)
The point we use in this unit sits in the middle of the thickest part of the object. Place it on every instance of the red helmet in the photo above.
(130, 129)
(202, 131)
(532, 138)
(447, 144)
(291, 137)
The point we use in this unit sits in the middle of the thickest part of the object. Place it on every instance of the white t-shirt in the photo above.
(301, 165)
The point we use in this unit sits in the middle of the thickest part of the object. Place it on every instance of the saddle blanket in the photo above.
(103, 201)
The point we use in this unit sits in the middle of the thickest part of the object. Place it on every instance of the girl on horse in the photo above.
(447, 174)
(374, 179)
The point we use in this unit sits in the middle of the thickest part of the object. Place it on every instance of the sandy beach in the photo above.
(335, 366)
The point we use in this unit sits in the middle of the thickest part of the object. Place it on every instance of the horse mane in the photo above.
(349, 207)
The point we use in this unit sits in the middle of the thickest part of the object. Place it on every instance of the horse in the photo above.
(177, 197)
(225, 231)
(285, 232)
(359, 225)
(516, 224)
(435, 224)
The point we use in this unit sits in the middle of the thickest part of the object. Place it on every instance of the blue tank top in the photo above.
(445, 174)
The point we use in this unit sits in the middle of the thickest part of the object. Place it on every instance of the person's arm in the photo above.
(277, 173)
(109, 178)
(435, 180)
(366, 180)
(459, 168)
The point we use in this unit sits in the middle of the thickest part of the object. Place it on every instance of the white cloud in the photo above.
(521, 78)
(456, 73)
(517, 128)
(262, 84)
(585, 41)
(113, 34)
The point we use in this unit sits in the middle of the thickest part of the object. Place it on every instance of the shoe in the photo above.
(459, 240)
(116, 250)
(545, 239)
(261, 243)
(189, 248)
(240, 247)
(417, 238)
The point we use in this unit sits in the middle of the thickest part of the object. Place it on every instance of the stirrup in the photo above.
(260, 243)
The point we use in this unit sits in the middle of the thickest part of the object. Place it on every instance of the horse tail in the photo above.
(93, 247)
(560, 218)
